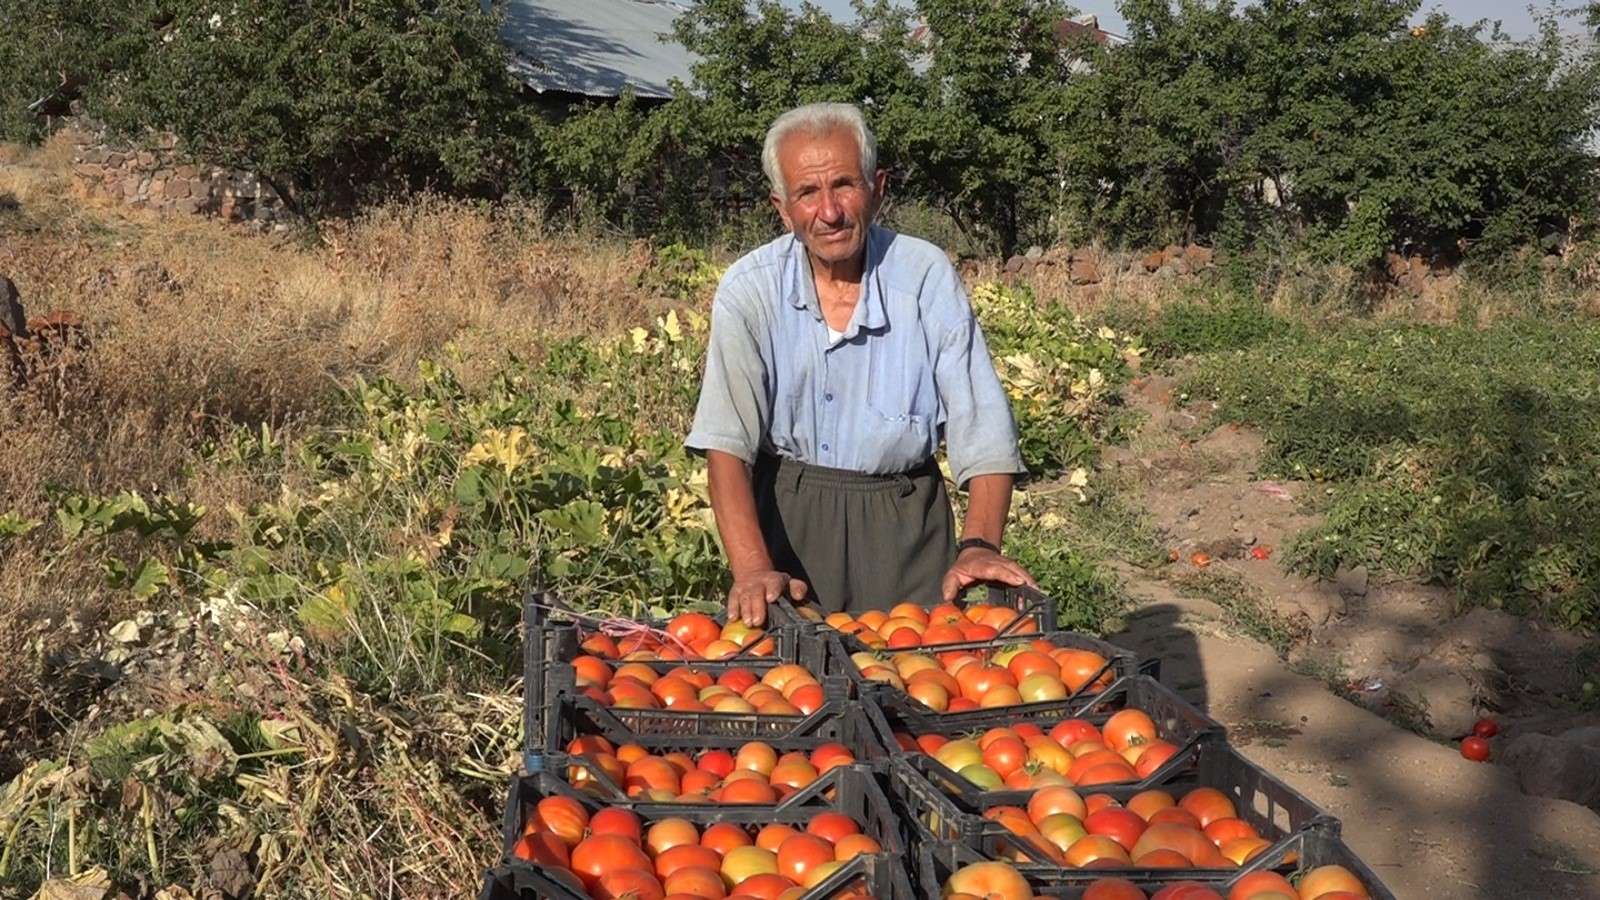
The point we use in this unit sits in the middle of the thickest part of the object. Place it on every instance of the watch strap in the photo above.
(968, 543)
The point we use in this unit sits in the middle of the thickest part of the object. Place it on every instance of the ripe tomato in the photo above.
(832, 827)
(801, 853)
(1128, 727)
(617, 821)
(694, 628)
(1486, 728)
(1475, 748)
(1005, 755)
(541, 847)
(634, 882)
(602, 853)
(1260, 552)
(688, 857)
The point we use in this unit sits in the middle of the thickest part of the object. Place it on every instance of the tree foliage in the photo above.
(332, 104)
(1331, 124)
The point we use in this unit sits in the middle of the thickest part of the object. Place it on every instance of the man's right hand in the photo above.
(749, 596)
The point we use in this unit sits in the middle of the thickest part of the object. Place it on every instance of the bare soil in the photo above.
(1394, 673)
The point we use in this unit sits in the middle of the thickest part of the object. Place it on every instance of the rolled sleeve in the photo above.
(733, 409)
(980, 431)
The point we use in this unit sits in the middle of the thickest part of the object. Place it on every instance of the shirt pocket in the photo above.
(902, 402)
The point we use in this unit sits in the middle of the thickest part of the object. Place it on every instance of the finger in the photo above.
(797, 589)
(952, 586)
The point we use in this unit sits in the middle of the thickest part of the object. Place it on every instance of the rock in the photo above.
(1015, 263)
(1444, 700)
(1173, 251)
(1166, 272)
(1352, 582)
(1084, 272)
(1154, 261)
(1035, 252)
(1198, 257)
(1317, 606)
(1556, 767)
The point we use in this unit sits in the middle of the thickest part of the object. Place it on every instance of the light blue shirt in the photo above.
(911, 367)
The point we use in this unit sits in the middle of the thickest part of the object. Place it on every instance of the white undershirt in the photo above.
(834, 337)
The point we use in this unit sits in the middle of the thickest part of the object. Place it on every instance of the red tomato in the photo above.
(1475, 748)
(1259, 552)
(1486, 728)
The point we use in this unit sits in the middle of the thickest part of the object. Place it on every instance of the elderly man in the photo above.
(839, 355)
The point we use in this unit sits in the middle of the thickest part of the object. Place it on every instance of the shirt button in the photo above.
(828, 397)
(824, 447)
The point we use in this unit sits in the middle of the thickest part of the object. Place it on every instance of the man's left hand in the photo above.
(976, 564)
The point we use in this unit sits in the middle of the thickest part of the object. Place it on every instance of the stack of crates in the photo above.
(926, 821)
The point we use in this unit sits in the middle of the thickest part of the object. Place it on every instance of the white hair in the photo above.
(818, 119)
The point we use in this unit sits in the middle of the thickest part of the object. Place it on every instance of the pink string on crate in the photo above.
(621, 629)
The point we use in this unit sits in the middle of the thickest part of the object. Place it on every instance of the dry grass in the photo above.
(197, 324)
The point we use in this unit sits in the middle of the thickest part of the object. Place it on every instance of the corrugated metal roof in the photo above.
(595, 47)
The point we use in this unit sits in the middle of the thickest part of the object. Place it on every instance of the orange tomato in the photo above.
(1052, 800)
(832, 826)
(1208, 805)
(543, 848)
(1082, 669)
(1259, 883)
(724, 837)
(689, 856)
(618, 821)
(801, 853)
(1118, 823)
(1324, 880)
(637, 882)
(1096, 847)
(601, 853)
(1128, 727)
(695, 881)
(564, 817)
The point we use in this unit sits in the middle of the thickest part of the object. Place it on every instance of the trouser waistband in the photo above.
(794, 473)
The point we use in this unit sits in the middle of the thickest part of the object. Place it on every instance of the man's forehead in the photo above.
(797, 143)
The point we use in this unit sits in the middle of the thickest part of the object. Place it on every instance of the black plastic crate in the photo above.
(1276, 810)
(1120, 664)
(544, 613)
(549, 648)
(855, 791)
(936, 861)
(1177, 721)
(1038, 608)
(847, 726)
(1305, 850)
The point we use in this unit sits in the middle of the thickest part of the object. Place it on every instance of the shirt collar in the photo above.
(871, 310)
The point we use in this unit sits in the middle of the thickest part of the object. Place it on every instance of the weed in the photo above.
(1245, 610)
(1338, 781)
(1564, 859)
(1330, 672)
(1455, 455)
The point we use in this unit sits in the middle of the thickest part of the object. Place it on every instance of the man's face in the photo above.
(830, 202)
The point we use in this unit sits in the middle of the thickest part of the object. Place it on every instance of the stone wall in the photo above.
(159, 178)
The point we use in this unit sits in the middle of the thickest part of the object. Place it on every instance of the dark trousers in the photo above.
(860, 541)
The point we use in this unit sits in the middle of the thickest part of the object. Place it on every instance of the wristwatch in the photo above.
(968, 543)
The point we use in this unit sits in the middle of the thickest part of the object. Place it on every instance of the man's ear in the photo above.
(880, 183)
(783, 210)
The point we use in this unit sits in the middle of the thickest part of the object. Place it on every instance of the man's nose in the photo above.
(830, 210)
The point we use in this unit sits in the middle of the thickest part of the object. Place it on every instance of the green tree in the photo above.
(1333, 119)
(50, 50)
(975, 131)
(332, 105)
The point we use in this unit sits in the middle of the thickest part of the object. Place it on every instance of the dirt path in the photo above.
(1428, 821)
